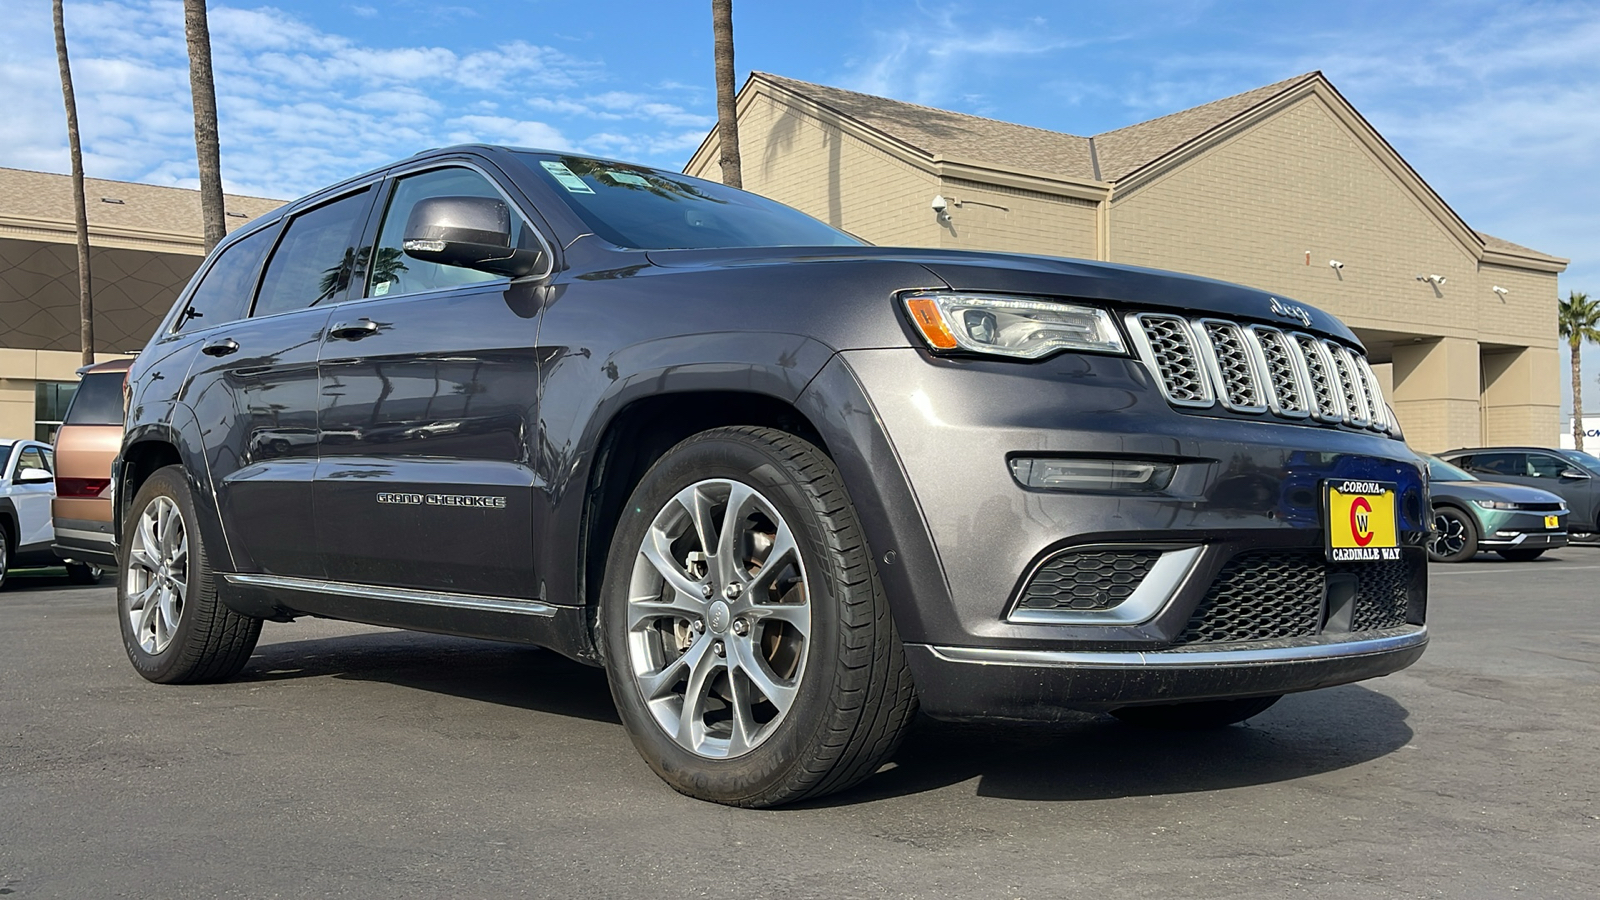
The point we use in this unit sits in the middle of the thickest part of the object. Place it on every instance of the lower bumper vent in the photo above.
(1090, 580)
(1276, 594)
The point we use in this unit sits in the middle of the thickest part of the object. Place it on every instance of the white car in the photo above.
(27, 485)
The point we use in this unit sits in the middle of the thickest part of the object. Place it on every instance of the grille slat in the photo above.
(1259, 368)
(1276, 594)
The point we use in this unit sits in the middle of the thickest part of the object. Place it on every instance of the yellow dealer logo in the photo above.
(1361, 521)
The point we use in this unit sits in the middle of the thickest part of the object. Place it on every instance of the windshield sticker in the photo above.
(571, 182)
(628, 178)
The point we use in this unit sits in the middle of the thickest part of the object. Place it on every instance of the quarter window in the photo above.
(223, 295)
(395, 273)
(316, 258)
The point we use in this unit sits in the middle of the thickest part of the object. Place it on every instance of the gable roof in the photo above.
(940, 133)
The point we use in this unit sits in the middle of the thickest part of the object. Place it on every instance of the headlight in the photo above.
(1007, 326)
(1496, 504)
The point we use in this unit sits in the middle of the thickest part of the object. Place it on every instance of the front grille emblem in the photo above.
(1290, 311)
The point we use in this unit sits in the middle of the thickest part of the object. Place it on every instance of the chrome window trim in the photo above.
(1157, 588)
(397, 595)
(1147, 355)
(1213, 364)
(1306, 650)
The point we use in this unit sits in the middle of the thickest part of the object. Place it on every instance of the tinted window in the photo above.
(1584, 460)
(1439, 470)
(316, 258)
(1499, 464)
(223, 295)
(393, 272)
(1546, 466)
(98, 401)
(5, 454)
(648, 209)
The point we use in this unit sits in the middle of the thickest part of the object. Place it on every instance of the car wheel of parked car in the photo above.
(173, 627)
(83, 573)
(747, 640)
(1454, 537)
(1196, 715)
(1521, 555)
(5, 554)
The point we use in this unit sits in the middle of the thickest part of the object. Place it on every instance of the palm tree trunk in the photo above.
(727, 110)
(204, 93)
(1577, 396)
(80, 212)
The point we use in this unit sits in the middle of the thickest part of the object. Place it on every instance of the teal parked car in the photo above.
(1520, 523)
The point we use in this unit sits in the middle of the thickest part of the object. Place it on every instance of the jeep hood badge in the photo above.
(1290, 311)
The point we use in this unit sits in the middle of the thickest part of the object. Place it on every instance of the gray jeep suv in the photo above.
(782, 485)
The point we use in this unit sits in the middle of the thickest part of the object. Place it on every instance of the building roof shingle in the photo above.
(47, 197)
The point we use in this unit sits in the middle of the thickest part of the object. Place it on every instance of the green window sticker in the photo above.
(561, 173)
(628, 178)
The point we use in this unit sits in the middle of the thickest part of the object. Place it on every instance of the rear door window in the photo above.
(98, 401)
(316, 258)
(1511, 465)
(223, 295)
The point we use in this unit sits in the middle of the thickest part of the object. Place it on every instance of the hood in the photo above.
(1015, 273)
(1491, 490)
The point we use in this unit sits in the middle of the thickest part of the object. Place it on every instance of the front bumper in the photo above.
(1037, 685)
(1504, 539)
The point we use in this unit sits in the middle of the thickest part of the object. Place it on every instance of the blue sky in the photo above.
(1496, 104)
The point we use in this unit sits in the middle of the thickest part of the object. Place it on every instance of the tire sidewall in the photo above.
(169, 663)
(746, 776)
(1470, 549)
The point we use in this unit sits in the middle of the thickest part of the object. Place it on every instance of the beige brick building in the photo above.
(1268, 188)
(144, 244)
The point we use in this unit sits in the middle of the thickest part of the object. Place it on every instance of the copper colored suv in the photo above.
(85, 446)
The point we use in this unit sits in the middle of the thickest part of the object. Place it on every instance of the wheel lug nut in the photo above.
(698, 626)
(718, 649)
(733, 591)
(706, 590)
(741, 627)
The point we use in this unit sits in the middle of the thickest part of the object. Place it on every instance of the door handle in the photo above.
(220, 348)
(353, 331)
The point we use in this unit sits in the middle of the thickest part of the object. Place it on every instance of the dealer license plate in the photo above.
(1361, 520)
(1552, 521)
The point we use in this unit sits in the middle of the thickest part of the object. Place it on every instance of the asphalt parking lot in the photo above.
(359, 762)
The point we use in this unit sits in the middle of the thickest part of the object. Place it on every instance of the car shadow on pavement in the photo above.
(506, 674)
(1096, 757)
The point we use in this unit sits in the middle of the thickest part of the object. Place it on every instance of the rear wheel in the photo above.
(5, 553)
(1454, 538)
(748, 643)
(173, 627)
(1196, 715)
(1521, 555)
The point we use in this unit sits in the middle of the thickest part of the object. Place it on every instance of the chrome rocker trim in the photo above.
(1322, 649)
(397, 595)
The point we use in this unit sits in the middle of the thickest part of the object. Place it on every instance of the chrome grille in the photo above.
(1240, 390)
(1170, 345)
(1258, 369)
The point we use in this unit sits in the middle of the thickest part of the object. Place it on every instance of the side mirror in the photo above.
(34, 476)
(1573, 473)
(470, 232)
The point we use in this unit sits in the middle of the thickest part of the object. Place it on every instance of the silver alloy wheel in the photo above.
(719, 617)
(157, 577)
(1449, 536)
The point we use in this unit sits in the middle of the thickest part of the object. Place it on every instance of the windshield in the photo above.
(1439, 470)
(1588, 461)
(648, 209)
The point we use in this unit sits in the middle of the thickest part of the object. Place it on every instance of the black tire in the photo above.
(5, 553)
(853, 697)
(1521, 555)
(83, 573)
(1197, 715)
(210, 641)
(1455, 536)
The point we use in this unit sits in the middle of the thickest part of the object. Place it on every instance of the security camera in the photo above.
(1500, 290)
(1437, 279)
(1335, 263)
(939, 204)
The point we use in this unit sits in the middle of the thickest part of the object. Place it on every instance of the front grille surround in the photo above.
(1255, 369)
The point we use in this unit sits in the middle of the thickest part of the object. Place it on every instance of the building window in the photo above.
(50, 402)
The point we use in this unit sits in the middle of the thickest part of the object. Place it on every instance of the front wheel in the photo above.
(1521, 555)
(1454, 538)
(173, 627)
(747, 640)
(1195, 715)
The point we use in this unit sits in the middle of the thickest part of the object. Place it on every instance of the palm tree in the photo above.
(727, 111)
(1579, 319)
(80, 212)
(204, 94)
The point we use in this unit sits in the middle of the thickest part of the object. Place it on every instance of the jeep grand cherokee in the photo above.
(784, 486)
